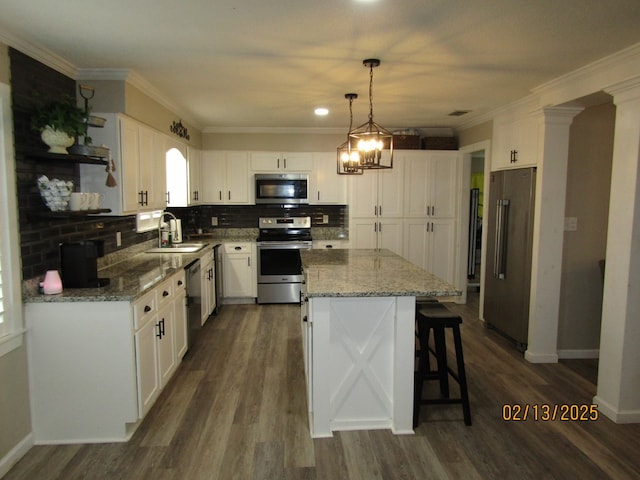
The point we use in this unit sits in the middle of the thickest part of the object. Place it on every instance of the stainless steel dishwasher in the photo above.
(194, 301)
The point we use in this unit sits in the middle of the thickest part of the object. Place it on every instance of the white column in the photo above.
(548, 227)
(618, 395)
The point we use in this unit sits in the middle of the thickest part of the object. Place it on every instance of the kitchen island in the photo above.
(358, 330)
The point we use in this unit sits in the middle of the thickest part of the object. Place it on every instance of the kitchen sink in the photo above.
(179, 248)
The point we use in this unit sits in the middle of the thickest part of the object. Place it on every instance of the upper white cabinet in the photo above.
(138, 158)
(177, 168)
(281, 162)
(377, 193)
(194, 162)
(325, 185)
(226, 178)
(515, 142)
(430, 183)
(375, 208)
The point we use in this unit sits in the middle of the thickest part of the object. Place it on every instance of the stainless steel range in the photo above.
(279, 265)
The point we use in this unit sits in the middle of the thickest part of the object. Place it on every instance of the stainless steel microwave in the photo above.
(285, 188)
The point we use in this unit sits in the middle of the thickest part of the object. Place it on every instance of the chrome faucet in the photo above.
(162, 229)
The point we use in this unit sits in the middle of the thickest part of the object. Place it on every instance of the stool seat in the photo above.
(434, 316)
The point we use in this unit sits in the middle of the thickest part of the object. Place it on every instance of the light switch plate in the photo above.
(325, 218)
(214, 221)
(570, 224)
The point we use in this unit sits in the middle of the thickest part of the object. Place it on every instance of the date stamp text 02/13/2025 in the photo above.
(550, 412)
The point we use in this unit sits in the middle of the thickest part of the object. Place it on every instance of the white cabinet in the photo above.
(375, 208)
(239, 270)
(430, 183)
(431, 244)
(376, 232)
(326, 186)
(175, 154)
(139, 166)
(227, 177)
(180, 314)
(195, 175)
(515, 142)
(208, 285)
(280, 162)
(156, 356)
(97, 367)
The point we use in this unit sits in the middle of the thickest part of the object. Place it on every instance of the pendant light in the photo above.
(373, 142)
(348, 158)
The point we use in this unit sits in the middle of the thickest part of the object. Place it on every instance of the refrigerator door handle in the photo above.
(499, 264)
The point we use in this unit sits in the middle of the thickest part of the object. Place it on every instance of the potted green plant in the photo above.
(59, 122)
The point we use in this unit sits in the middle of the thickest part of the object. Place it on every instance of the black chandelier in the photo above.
(348, 158)
(373, 142)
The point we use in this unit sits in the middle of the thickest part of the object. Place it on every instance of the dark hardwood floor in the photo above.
(236, 408)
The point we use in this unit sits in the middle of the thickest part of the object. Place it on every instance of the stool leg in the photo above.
(441, 355)
(423, 369)
(462, 377)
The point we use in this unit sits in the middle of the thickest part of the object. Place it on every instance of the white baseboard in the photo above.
(579, 354)
(540, 357)
(628, 416)
(15, 454)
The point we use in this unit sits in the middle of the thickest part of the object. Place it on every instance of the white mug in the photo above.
(95, 199)
(78, 201)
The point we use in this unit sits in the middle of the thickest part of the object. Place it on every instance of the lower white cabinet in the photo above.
(431, 244)
(239, 270)
(208, 285)
(96, 368)
(377, 233)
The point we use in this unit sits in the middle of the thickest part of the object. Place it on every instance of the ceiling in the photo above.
(257, 64)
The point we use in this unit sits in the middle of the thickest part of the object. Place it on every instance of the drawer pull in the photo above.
(165, 293)
(237, 248)
(179, 283)
(147, 309)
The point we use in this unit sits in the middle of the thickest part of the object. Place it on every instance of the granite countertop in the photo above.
(129, 279)
(368, 273)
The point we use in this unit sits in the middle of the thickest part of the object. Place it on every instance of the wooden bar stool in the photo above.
(435, 316)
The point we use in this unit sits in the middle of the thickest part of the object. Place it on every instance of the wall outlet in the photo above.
(118, 239)
(570, 224)
(325, 218)
(214, 221)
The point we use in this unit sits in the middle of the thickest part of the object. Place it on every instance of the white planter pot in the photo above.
(56, 140)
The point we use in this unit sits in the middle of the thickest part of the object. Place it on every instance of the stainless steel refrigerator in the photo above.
(509, 246)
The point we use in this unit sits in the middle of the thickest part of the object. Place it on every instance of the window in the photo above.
(11, 324)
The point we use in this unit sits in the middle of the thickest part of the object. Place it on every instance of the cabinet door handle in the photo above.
(375, 210)
(141, 198)
(380, 210)
(278, 164)
(168, 198)
(219, 194)
(304, 319)
(158, 330)
(147, 309)
(318, 195)
(433, 210)
(229, 195)
(375, 227)
(249, 261)
(285, 163)
(146, 197)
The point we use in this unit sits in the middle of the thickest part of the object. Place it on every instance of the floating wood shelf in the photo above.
(69, 213)
(69, 158)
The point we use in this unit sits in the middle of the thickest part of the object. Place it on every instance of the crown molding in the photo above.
(41, 54)
(276, 130)
(593, 77)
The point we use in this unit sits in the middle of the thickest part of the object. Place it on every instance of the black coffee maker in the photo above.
(79, 264)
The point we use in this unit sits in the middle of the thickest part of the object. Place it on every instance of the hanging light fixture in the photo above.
(373, 142)
(348, 158)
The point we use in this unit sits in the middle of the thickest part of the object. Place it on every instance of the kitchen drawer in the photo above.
(179, 282)
(164, 292)
(144, 309)
(237, 247)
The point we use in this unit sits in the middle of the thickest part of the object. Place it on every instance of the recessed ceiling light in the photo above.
(321, 111)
